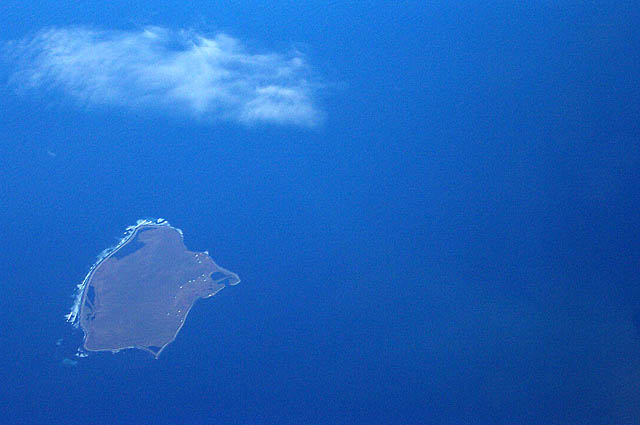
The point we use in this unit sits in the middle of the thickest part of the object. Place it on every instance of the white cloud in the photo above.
(208, 77)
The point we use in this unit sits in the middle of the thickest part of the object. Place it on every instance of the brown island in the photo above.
(139, 295)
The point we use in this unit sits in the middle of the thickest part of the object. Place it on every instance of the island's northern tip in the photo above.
(139, 293)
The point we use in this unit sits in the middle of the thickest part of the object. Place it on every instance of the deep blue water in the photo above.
(456, 243)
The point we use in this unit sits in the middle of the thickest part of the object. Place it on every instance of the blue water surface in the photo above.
(455, 243)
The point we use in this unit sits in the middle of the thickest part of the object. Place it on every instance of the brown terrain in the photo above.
(140, 295)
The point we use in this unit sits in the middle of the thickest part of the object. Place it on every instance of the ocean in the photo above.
(446, 234)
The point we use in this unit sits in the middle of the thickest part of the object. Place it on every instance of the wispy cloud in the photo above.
(208, 77)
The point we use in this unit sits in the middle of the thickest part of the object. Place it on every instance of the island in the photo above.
(139, 293)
